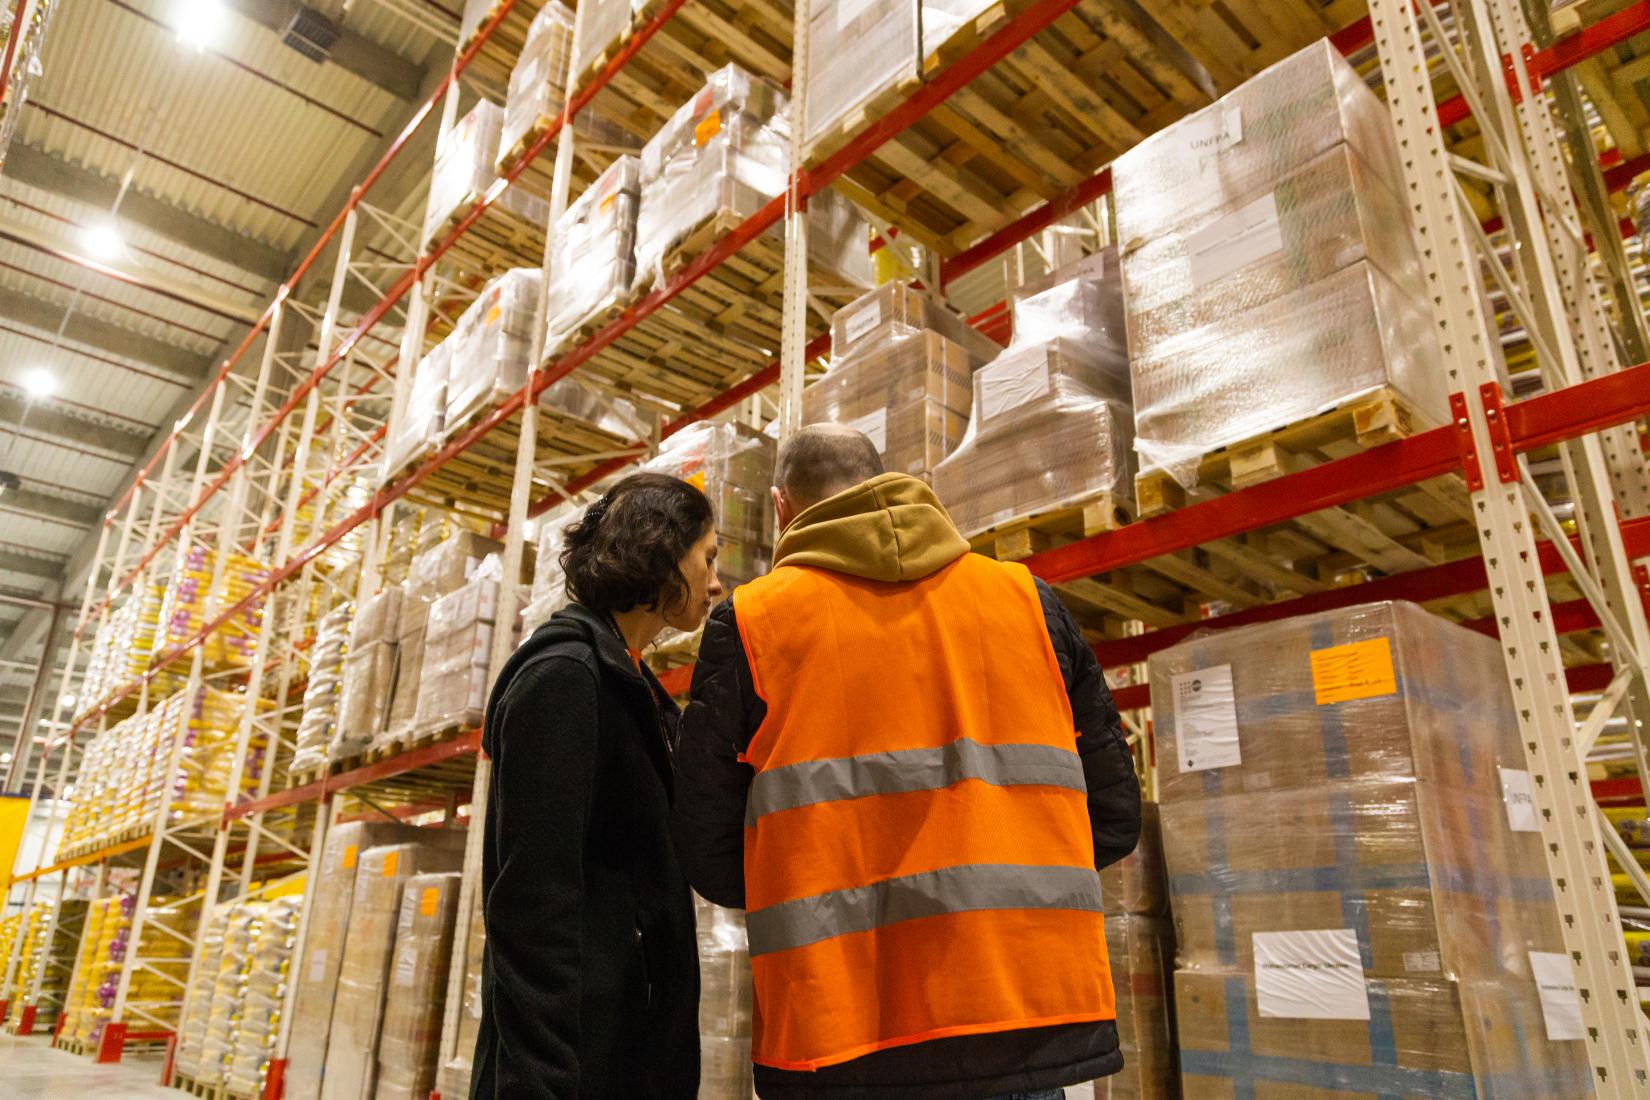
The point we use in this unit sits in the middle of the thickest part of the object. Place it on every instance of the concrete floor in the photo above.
(31, 1070)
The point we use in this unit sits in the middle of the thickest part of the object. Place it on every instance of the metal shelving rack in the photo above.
(281, 463)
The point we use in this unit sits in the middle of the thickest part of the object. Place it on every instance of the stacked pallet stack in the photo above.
(733, 466)
(464, 171)
(491, 347)
(323, 689)
(424, 418)
(726, 1002)
(458, 639)
(902, 371)
(1051, 422)
(189, 604)
(368, 680)
(197, 1009)
(152, 988)
(234, 971)
(410, 1036)
(259, 1017)
(1270, 267)
(1354, 866)
(207, 724)
(538, 83)
(593, 258)
(453, 1079)
(122, 647)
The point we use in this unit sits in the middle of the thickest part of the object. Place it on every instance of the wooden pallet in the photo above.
(194, 1087)
(1027, 535)
(492, 64)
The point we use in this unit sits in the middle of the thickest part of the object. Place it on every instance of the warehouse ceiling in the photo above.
(155, 195)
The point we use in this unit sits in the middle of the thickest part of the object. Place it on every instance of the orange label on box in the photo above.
(494, 314)
(428, 901)
(697, 480)
(350, 853)
(708, 127)
(392, 860)
(1361, 670)
(607, 201)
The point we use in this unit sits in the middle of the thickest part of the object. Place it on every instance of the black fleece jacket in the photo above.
(708, 824)
(590, 984)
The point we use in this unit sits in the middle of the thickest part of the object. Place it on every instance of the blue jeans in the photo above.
(1041, 1094)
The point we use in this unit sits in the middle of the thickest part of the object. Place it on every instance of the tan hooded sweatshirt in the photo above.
(890, 528)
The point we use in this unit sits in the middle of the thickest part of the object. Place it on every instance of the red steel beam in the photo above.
(467, 744)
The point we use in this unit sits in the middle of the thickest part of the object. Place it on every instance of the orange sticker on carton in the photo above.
(708, 127)
(428, 900)
(348, 862)
(392, 860)
(1361, 670)
(697, 480)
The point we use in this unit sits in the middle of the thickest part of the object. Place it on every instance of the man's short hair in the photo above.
(822, 460)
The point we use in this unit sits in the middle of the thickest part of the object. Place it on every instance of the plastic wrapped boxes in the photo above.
(323, 689)
(409, 1042)
(1360, 900)
(733, 466)
(440, 569)
(425, 416)
(365, 970)
(601, 23)
(1270, 267)
(453, 1079)
(492, 345)
(458, 639)
(464, 170)
(259, 1018)
(906, 385)
(369, 674)
(1051, 426)
(538, 83)
(725, 1003)
(549, 592)
(593, 258)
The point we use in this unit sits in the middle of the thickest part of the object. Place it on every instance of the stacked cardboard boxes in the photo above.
(439, 569)
(491, 347)
(324, 688)
(1270, 264)
(458, 639)
(369, 674)
(726, 1002)
(733, 466)
(1357, 882)
(410, 1039)
(593, 257)
(538, 83)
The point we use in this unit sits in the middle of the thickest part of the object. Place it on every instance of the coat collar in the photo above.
(650, 703)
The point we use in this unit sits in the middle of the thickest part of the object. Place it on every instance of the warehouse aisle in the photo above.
(32, 1070)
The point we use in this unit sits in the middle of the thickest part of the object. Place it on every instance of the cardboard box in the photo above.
(410, 1040)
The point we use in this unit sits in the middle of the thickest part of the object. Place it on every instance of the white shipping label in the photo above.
(318, 965)
(1519, 794)
(1422, 962)
(1246, 236)
(1003, 390)
(1204, 138)
(1555, 981)
(1205, 719)
(862, 321)
(1316, 975)
(406, 968)
(874, 425)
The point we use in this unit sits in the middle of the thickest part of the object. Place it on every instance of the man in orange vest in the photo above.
(902, 761)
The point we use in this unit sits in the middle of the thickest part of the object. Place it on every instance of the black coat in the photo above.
(708, 821)
(590, 985)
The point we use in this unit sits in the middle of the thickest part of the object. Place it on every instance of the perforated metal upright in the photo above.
(1558, 310)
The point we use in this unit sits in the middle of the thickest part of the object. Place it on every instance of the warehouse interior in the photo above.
(1301, 345)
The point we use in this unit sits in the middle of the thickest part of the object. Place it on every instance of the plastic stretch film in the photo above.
(369, 674)
(538, 83)
(198, 1009)
(549, 592)
(452, 684)
(259, 1019)
(492, 345)
(726, 1001)
(464, 171)
(438, 570)
(422, 421)
(453, 1079)
(240, 935)
(601, 24)
(364, 972)
(1359, 907)
(323, 689)
(1051, 426)
(733, 466)
(1270, 265)
(410, 1040)
(593, 258)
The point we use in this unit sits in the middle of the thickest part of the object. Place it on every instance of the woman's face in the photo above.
(704, 587)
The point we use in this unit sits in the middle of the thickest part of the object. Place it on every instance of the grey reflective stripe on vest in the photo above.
(904, 770)
(971, 887)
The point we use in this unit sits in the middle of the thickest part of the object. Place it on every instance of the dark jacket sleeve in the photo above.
(708, 818)
(1108, 766)
(544, 768)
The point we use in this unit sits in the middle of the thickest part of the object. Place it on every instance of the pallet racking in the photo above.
(279, 459)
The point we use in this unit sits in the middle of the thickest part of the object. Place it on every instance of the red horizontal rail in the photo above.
(467, 744)
(1625, 791)
(80, 861)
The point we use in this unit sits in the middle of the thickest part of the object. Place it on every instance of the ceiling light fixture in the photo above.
(39, 383)
(201, 24)
(103, 240)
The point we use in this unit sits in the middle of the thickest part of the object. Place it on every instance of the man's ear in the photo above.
(781, 507)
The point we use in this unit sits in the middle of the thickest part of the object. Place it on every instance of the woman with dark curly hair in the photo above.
(590, 986)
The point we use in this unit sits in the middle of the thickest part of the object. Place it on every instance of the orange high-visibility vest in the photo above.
(918, 856)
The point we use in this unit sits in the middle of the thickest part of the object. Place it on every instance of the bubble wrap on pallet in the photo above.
(538, 83)
(452, 687)
(410, 1039)
(491, 345)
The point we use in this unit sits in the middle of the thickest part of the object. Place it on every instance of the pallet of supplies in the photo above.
(463, 173)
(259, 1020)
(410, 1039)
(437, 570)
(1049, 439)
(323, 689)
(369, 674)
(458, 641)
(593, 255)
(538, 83)
(1360, 898)
(726, 1002)
(733, 466)
(1272, 278)
(424, 419)
(492, 346)
(453, 1079)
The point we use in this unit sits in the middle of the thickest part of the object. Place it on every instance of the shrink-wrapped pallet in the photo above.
(1270, 265)
(492, 345)
(410, 1039)
(1355, 869)
(369, 674)
(726, 1002)
(458, 639)
(548, 594)
(859, 50)
(437, 570)
(454, 1076)
(1051, 427)
(464, 171)
(606, 412)
(198, 1006)
(229, 991)
(268, 971)
(332, 892)
(538, 83)
(593, 256)
(324, 688)
(364, 970)
(424, 418)
(190, 603)
(898, 303)
(733, 466)
(1136, 883)
(601, 26)
(1140, 949)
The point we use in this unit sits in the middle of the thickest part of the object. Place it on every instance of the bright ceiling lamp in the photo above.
(201, 24)
(103, 240)
(39, 383)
